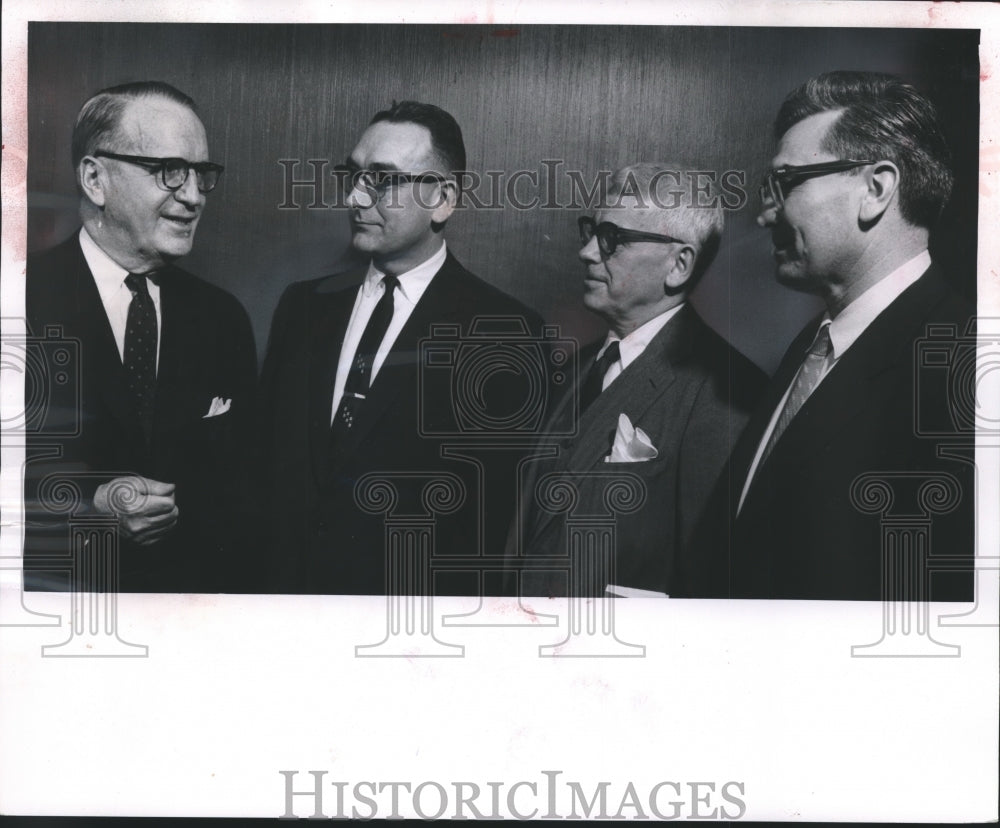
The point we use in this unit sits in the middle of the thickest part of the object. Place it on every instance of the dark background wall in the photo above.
(591, 97)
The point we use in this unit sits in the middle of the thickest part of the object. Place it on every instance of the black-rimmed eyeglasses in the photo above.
(610, 235)
(779, 182)
(376, 183)
(173, 171)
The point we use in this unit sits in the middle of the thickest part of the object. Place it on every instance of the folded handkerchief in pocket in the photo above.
(218, 406)
(631, 445)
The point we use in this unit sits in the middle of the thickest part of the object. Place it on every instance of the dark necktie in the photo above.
(806, 380)
(139, 358)
(595, 378)
(360, 375)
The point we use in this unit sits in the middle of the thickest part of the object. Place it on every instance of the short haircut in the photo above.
(101, 115)
(883, 118)
(446, 134)
(676, 205)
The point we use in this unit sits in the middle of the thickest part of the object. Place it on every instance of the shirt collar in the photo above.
(414, 282)
(108, 274)
(632, 346)
(852, 321)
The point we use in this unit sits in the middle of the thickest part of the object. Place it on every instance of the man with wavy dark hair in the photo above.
(859, 179)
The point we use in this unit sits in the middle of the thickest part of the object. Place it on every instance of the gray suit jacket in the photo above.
(691, 393)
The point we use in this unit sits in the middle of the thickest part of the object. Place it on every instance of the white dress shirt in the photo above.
(115, 295)
(631, 347)
(850, 323)
(412, 285)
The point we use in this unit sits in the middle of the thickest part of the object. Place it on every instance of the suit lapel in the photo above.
(633, 392)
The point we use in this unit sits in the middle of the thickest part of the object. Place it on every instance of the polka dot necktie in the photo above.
(806, 380)
(594, 383)
(140, 349)
(359, 377)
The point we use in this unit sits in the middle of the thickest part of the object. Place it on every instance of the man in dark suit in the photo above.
(157, 437)
(661, 403)
(342, 385)
(859, 179)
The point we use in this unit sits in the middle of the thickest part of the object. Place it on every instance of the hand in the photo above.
(145, 508)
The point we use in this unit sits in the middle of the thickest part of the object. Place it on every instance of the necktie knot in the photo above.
(610, 356)
(821, 344)
(136, 283)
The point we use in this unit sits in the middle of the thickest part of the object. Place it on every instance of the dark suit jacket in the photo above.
(323, 541)
(692, 393)
(799, 535)
(206, 351)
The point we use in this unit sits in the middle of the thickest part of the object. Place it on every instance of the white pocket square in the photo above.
(218, 406)
(631, 445)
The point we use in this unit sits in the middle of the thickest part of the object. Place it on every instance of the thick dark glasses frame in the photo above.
(779, 181)
(610, 235)
(376, 183)
(206, 172)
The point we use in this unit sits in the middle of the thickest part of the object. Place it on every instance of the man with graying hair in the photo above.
(163, 391)
(662, 396)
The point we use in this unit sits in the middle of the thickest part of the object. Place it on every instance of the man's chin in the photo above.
(792, 274)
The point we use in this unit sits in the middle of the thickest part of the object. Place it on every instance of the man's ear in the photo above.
(883, 181)
(677, 278)
(449, 198)
(92, 178)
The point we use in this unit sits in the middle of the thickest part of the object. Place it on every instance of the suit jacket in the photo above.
(324, 539)
(92, 434)
(692, 393)
(800, 534)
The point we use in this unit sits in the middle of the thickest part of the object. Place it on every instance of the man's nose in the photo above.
(188, 193)
(359, 198)
(768, 214)
(590, 252)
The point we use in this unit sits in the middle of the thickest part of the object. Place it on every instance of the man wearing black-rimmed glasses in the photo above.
(167, 364)
(859, 179)
(663, 397)
(342, 385)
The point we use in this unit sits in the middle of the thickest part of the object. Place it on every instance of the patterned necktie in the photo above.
(595, 378)
(360, 375)
(806, 380)
(139, 358)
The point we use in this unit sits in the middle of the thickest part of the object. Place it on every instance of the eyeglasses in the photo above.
(779, 182)
(376, 183)
(173, 171)
(609, 235)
